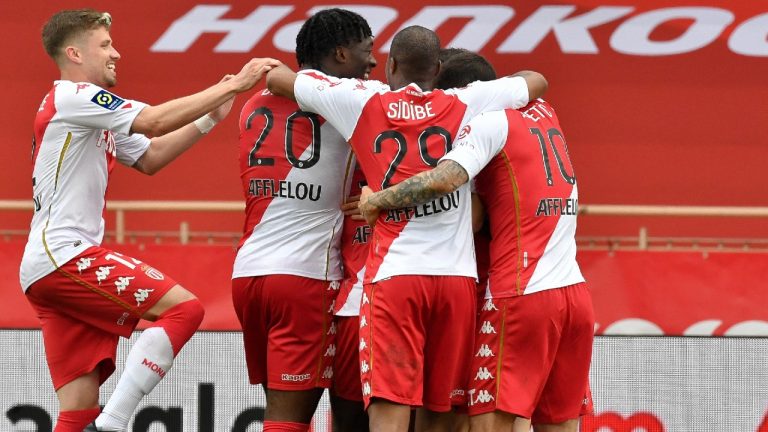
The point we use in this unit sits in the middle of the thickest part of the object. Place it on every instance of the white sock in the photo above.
(147, 363)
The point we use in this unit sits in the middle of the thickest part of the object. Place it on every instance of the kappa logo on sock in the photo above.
(154, 367)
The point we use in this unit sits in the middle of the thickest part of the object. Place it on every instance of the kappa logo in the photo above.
(331, 351)
(103, 273)
(332, 329)
(363, 322)
(483, 374)
(364, 368)
(295, 378)
(489, 306)
(483, 396)
(332, 306)
(107, 100)
(141, 295)
(487, 328)
(362, 344)
(122, 283)
(84, 263)
(366, 388)
(328, 373)
(334, 286)
(123, 317)
(484, 351)
(365, 299)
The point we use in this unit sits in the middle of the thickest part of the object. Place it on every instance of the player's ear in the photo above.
(391, 65)
(340, 54)
(73, 54)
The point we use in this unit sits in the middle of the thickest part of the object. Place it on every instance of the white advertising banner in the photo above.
(648, 384)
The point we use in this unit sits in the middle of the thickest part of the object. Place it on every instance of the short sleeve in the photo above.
(479, 141)
(130, 148)
(499, 94)
(91, 106)
(339, 100)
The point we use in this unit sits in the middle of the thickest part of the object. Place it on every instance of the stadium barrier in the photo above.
(643, 241)
(650, 384)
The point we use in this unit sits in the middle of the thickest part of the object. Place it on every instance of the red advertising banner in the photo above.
(634, 293)
(662, 102)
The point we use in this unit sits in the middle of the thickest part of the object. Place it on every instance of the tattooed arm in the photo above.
(445, 178)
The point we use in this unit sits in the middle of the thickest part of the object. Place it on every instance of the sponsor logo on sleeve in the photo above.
(107, 100)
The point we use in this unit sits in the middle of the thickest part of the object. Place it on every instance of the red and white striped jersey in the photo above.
(294, 168)
(354, 251)
(395, 135)
(79, 131)
(529, 190)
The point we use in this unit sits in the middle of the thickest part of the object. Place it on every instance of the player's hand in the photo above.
(252, 73)
(369, 212)
(350, 208)
(221, 112)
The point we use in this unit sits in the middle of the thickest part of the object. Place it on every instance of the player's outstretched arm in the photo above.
(163, 149)
(169, 116)
(445, 178)
(537, 84)
(281, 80)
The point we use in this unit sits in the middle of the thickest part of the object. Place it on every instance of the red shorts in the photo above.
(287, 330)
(346, 364)
(87, 303)
(532, 355)
(416, 333)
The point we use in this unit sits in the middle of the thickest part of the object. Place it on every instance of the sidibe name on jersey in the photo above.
(402, 110)
(284, 189)
(443, 204)
(558, 207)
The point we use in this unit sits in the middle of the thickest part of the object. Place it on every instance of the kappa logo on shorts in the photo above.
(107, 100)
(489, 306)
(295, 378)
(332, 329)
(152, 272)
(483, 396)
(366, 388)
(364, 368)
(363, 322)
(365, 299)
(328, 373)
(484, 351)
(487, 328)
(334, 286)
(141, 295)
(122, 283)
(483, 374)
(331, 351)
(362, 344)
(103, 273)
(84, 263)
(123, 317)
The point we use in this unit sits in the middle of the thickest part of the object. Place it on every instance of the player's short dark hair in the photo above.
(416, 50)
(447, 53)
(65, 25)
(324, 31)
(462, 68)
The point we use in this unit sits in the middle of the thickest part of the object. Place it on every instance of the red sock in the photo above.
(75, 421)
(180, 322)
(285, 426)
